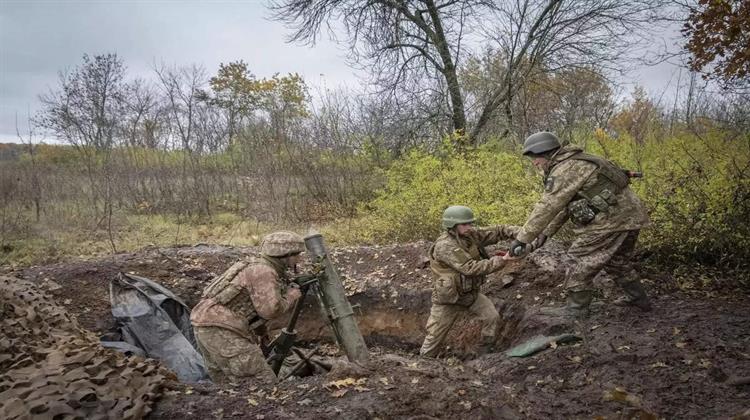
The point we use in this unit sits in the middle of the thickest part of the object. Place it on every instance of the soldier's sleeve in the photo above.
(460, 260)
(557, 223)
(561, 186)
(265, 292)
(491, 235)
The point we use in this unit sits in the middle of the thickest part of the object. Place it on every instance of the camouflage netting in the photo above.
(52, 368)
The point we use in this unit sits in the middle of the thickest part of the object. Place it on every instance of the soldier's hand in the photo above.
(517, 248)
(293, 293)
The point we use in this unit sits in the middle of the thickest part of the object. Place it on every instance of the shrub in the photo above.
(495, 184)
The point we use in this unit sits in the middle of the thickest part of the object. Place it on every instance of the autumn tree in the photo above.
(638, 118)
(241, 95)
(719, 39)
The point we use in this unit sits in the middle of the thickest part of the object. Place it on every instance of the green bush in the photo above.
(497, 185)
(696, 188)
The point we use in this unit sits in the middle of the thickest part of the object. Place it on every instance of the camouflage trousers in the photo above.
(229, 355)
(442, 318)
(593, 253)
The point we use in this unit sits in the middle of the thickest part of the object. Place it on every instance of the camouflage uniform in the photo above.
(459, 266)
(230, 319)
(574, 189)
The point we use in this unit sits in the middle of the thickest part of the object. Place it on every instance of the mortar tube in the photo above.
(337, 308)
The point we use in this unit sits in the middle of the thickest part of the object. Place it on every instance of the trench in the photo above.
(400, 324)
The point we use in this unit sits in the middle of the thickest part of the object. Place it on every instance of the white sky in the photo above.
(38, 38)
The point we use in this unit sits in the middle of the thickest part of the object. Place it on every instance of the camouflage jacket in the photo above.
(458, 266)
(262, 288)
(565, 179)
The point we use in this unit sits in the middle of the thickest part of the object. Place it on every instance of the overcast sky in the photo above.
(38, 38)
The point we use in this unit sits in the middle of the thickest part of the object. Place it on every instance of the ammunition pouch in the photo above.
(581, 213)
(468, 284)
(599, 197)
(603, 200)
(584, 210)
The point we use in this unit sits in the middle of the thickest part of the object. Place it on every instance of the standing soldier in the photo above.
(459, 265)
(230, 319)
(607, 216)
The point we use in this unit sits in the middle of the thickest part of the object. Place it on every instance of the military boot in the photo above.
(577, 305)
(634, 296)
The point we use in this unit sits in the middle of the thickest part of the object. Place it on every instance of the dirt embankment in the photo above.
(686, 359)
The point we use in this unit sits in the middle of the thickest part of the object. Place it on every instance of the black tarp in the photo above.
(154, 319)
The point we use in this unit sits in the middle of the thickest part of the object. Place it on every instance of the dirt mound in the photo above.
(53, 368)
(679, 361)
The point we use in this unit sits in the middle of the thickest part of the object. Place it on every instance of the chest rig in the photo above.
(225, 290)
(472, 284)
(598, 197)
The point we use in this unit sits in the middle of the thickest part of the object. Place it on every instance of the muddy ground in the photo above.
(685, 360)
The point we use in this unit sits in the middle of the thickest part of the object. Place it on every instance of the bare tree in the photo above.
(86, 108)
(403, 41)
(184, 90)
(409, 41)
(85, 111)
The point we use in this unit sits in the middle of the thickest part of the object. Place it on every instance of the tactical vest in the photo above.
(611, 180)
(237, 299)
(472, 284)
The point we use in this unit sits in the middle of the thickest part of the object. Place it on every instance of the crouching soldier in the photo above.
(459, 264)
(607, 217)
(230, 319)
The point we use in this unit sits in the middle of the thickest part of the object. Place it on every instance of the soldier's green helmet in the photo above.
(281, 244)
(456, 215)
(540, 143)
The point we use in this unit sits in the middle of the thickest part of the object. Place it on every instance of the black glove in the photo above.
(517, 248)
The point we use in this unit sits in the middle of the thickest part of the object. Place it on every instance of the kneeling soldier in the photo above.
(230, 319)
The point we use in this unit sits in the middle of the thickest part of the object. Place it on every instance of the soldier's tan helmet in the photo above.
(281, 244)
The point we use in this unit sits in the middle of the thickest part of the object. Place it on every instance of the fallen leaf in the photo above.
(595, 327)
(341, 383)
(383, 380)
(651, 331)
(415, 380)
(553, 345)
(659, 365)
(676, 331)
(339, 393)
(680, 344)
(575, 359)
(252, 402)
(620, 395)
(461, 392)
